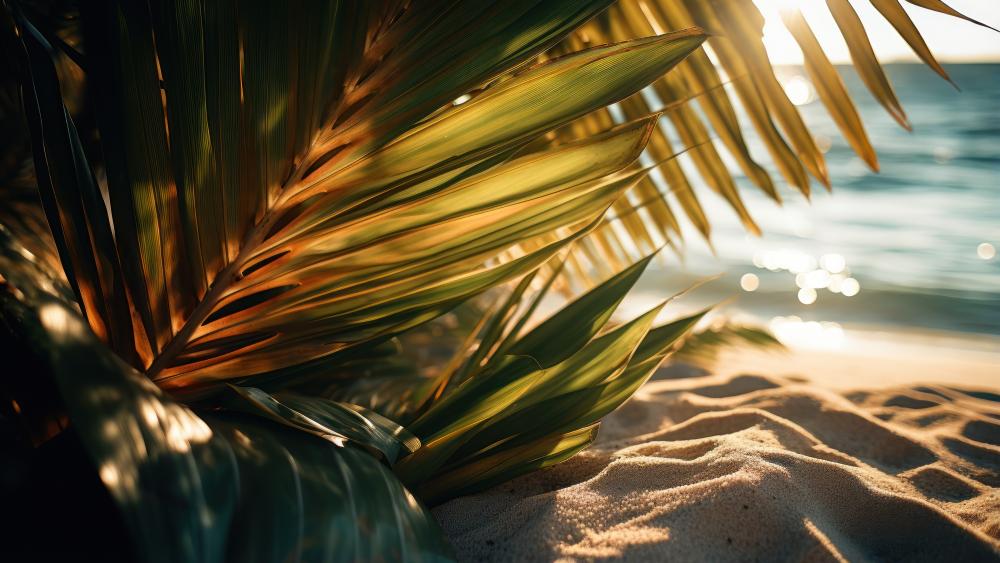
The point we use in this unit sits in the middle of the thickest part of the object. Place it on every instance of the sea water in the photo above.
(908, 247)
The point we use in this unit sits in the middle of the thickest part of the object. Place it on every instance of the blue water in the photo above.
(909, 235)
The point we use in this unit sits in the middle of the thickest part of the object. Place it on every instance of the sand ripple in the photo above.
(758, 468)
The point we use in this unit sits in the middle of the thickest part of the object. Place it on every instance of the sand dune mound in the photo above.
(754, 467)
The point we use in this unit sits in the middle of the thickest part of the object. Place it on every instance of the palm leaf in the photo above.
(939, 6)
(217, 486)
(213, 301)
(71, 200)
(230, 271)
(703, 346)
(293, 189)
(364, 206)
(735, 40)
(543, 416)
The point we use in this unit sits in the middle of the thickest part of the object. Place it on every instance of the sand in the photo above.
(720, 468)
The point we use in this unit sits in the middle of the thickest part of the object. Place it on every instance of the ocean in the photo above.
(909, 248)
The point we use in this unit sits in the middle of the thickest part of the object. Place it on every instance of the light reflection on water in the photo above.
(912, 246)
(793, 331)
(829, 272)
(986, 251)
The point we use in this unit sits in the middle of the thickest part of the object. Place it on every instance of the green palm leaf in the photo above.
(275, 195)
(286, 288)
(218, 486)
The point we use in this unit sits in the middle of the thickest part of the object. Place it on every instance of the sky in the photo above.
(951, 39)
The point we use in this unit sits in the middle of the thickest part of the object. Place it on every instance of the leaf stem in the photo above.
(215, 293)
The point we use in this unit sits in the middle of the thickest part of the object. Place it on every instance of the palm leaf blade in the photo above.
(188, 484)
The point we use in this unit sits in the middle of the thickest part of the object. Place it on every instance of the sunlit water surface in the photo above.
(912, 247)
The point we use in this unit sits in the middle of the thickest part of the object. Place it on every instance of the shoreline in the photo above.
(841, 355)
(876, 358)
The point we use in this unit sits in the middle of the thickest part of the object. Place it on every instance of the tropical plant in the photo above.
(254, 210)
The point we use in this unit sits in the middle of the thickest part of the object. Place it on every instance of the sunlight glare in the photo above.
(950, 38)
(794, 332)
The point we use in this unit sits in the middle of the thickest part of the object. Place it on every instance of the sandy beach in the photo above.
(729, 466)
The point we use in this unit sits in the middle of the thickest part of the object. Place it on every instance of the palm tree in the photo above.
(253, 210)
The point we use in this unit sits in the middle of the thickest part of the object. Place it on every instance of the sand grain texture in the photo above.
(765, 468)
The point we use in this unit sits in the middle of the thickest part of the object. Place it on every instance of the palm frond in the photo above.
(341, 231)
(742, 76)
(702, 347)
(275, 196)
(188, 482)
(565, 371)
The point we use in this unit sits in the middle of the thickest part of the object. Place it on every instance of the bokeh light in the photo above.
(833, 263)
(850, 287)
(793, 331)
(829, 272)
(799, 91)
(749, 282)
(823, 143)
(986, 251)
(807, 296)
